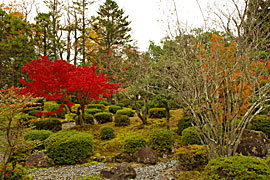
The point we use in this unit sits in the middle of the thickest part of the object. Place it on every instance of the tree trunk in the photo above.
(167, 114)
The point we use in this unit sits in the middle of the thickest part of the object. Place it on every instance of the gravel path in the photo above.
(154, 172)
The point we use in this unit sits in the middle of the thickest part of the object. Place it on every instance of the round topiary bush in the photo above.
(133, 143)
(122, 120)
(97, 106)
(40, 135)
(125, 102)
(103, 117)
(161, 140)
(192, 157)
(69, 147)
(261, 123)
(89, 119)
(157, 113)
(93, 111)
(114, 108)
(127, 111)
(236, 167)
(106, 132)
(52, 124)
(189, 136)
(184, 123)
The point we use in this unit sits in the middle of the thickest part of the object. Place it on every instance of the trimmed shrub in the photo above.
(161, 140)
(18, 173)
(133, 143)
(261, 123)
(50, 106)
(125, 102)
(157, 113)
(236, 167)
(192, 157)
(89, 119)
(189, 136)
(93, 111)
(37, 135)
(52, 124)
(69, 147)
(106, 132)
(122, 120)
(103, 117)
(267, 161)
(184, 123)
(114, 108)
(120, 104)
(129, 112)
(97, 106)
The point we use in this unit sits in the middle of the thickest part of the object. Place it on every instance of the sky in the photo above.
(150, 18)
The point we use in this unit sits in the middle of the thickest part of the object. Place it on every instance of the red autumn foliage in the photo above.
(60, 80)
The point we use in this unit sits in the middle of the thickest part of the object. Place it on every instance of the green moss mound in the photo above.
(52, 124)
(106, 132)
(161, 140)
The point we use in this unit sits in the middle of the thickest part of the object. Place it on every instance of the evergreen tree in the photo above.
(16, 48)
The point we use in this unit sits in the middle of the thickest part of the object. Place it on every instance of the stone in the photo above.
(122, 171)
(146, 156)
(253, 143)
(99, 159)
(37, 159)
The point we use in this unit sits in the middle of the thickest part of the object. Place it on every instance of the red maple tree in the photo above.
(61, 81)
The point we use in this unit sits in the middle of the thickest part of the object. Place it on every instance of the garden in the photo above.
(91, 106)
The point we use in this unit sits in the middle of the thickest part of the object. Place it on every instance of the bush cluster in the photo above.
(261, 123)
(157, 113)
(106, 132)
(97, 106)
(40, 135)
(18, 173)
(236, 167)
(103, 117)
(114, 108)
(69, 147)
(192, 157)
(189, 136)
(161, 140)
(52, 124)
(93, 111)
(184, 123)
(125, 102)
(129, 112)
(122, 120)
(133, 143)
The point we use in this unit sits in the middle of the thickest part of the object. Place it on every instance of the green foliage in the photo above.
(97, 106)
(189, 136)
(69, 147)
(237, 167)
(133, 143)
(93, 111)
(267, 161)
(106, 132)
(120, 104)
(154, 103)
(261, 123)
(37, 135)
(161, 140)
(114, 108)
(18, 173)
(16, 47)
(125, 102)
(184, 123)
(122, 120)
(189, 175)
(89, 119)
(192, 157)
(127, 111)
(103, 117)
(52, 124)
(50, 106)
(157, 113)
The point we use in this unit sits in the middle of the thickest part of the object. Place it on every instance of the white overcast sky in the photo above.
(149, 18)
